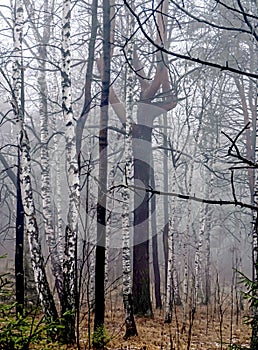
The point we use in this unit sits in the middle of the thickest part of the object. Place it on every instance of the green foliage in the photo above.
(237, 347)
(18, 332)
(100, 337)
(250, 294)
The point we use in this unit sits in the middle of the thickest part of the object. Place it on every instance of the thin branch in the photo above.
(225, 67)
(188, 197)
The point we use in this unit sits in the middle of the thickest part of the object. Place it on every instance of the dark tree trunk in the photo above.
(155, 253)
(165, 199)
(254, 323)
(141, 279)
(88, 81)
(99, 334)
(19, 268)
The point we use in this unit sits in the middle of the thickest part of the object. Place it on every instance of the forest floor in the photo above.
(213, 328)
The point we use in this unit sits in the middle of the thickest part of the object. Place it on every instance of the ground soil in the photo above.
(213, 328)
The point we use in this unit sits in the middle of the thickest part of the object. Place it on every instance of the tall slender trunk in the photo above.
(18, 105)
(45, 161)
(88, 79)
(38, 265)
(187, 235)
(19, 265)
(165, 198)
(69, 292)
(102, 189)
(126, 195)
(170, 293)
(155, 250)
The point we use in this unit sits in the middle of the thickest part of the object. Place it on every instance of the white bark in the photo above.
(171, 260)
(198, 260)
(126, 207)
(203, 244)
(45, 161)
(31, 226)
(187, 236)
(38, 264)
(70, 258)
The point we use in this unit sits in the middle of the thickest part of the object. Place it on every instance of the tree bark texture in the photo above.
(69, 293)
(32, 231)
(45, 161)
(126, 196)
(19, 246)
(141, 277)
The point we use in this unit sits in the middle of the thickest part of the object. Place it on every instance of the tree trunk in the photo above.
(155, 252)
(45, 161)
(19, 246)
(99, 334)
(141, 278)
(126, 194)
(38, 265)
(69, 292)
(88, 80)
(165, 199)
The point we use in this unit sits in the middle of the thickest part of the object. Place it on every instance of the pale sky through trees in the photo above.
(131, 128)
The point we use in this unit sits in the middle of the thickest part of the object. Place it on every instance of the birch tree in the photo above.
(31, 227)
(128, 171)
(170, 292)
(69, 293)
(42, 34)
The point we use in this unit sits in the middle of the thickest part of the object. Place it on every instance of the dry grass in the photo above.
(208, 331)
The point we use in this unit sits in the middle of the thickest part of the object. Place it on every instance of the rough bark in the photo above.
(141, 278)
(69, 293)
(128, 171)
(45, 161)
(187, 235)
(38, 265)
(142, 148)
(171, 260)
(18, 105)
(19, 246)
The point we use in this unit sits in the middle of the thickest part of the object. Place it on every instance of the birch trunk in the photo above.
(187, 236)
(45, 174)
(19, 245)
(69, 293)
(18, 106)
(171, 259)
(127, 281)
(38, 265)
(199, 252)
